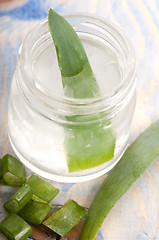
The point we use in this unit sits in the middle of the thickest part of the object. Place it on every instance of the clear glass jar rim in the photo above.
(127, 81)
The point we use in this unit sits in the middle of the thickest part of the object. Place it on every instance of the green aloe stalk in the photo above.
(139, 155)
(85, 146)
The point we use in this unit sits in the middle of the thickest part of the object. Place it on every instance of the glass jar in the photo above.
(63, 138)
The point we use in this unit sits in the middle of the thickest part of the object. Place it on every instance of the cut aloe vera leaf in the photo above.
(42, 189)
(35, 212)
(84, 147)
(66, 218)
(139, 155)
(19, 199)
(13, 171)
(15, 228)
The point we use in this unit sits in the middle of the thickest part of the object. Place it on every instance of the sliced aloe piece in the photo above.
(90, 146)
(13, 171)
(41, 189)
(139, 155)
(15, 228)
(66, 218)
(35, 212)
(19, 199)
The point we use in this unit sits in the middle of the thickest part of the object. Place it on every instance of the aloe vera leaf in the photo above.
(15, 228)
(66, 218)
(138, 156)
(13, 171)
(85, 148)
(35, 212)
(19, 199)
(77, 75)
(42, 189)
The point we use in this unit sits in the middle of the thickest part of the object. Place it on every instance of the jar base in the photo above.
(65, 179)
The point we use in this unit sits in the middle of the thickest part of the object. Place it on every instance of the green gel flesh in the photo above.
(15, 228)
(13, 171)
(85, 146)
(42, 189)
(139, 155)
(66, 218)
